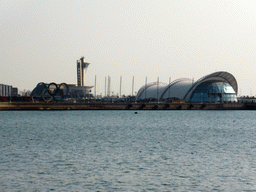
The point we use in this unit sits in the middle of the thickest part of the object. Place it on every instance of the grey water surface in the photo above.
(124, 151)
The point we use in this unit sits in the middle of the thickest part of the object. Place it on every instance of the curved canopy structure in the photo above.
(216, 87)
(151, 90)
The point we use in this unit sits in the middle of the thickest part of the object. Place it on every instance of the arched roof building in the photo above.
(216, 87)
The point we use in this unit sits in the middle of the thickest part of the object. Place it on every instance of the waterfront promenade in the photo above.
(123, 106)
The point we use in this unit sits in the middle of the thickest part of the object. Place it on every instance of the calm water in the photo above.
(124, 151)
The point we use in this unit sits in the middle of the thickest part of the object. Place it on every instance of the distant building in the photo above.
(8, 90)
(75, 91)
(216, 87)
(82, 66)
(14, 91)
(246, 99)
(81, 90)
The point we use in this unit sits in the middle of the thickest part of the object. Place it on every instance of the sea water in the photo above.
(125, 151)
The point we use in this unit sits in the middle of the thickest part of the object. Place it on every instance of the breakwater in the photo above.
(124, 106)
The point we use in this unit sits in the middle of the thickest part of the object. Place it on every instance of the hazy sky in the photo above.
(41, 40)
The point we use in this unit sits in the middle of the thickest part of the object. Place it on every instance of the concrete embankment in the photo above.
(123, 106)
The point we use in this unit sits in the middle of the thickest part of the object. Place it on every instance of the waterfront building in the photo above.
(81, 90)
(74, 91)
(216, 87)
(246, 99)
(8, 90)
(82, 66)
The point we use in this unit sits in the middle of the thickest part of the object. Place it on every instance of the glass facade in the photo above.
(212, 91)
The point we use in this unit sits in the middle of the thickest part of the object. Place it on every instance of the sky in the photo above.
(41, 41)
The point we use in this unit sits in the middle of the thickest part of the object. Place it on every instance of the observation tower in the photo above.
(82, 66)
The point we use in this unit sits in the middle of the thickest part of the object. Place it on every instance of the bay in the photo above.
(124, 151)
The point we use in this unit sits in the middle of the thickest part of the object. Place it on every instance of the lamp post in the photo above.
(146, 88)
(157, 89)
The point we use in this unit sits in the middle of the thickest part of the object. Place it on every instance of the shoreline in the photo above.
(7, 106)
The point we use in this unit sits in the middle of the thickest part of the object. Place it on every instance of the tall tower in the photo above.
(81, 70)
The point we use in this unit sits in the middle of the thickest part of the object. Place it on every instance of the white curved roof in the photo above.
(220, 76)
(182, 88)
(177, 88)
(151, 90)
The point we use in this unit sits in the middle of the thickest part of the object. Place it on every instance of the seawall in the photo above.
(124, 106)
